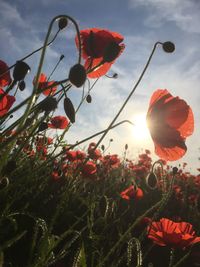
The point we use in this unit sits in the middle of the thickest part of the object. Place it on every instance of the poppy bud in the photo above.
(49, 104)
(61, 57)
(43, 126)
(174, 170)
(103, 147)
(22, 85)
(77, 75)
(151, 180)
(126, 146)
(115, 75)
(168, 47)
(4, 182)
(20, 70)
(62, 23)
(111, 52)
(69, 109)
(89, 98)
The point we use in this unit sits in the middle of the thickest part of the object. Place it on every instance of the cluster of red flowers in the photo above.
(6, 101)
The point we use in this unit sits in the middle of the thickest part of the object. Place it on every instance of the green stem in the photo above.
(129, 96)
(172, 257)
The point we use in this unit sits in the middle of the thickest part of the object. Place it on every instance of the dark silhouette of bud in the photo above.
(77, 75)
(62, 23)
(4, 182)
(20, 71)
(89, 98)
(69, 109)
(61, 57)
(126, 146)
(174, 170)
(22, 85)
(168, 47)
(111, 52)
(43, 126)
(115, 75)
(151, 180)
(48, 104)
(102, 147)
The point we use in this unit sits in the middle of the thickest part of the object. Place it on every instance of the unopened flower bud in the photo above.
(62, 23)
(77, 75)
(168, 47)
(89, 98)
(49, 104)
(61, 57)
(151, 180)
(174, 170)
(20, 70)
(4, 182)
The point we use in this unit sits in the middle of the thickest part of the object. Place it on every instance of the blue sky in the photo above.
(23, 25)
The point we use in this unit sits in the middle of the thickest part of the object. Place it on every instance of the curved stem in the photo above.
(129, 96)
(32, 53)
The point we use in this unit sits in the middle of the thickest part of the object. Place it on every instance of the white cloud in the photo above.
(185, 13)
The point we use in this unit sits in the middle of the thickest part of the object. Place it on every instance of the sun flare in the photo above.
(140, 130)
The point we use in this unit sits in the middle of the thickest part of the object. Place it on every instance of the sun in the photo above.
(140, 130)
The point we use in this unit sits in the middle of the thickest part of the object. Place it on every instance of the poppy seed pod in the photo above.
(49, 104)
(77, 75)
(20, 71)
(168, 47)
(62, 23)
(111, 52)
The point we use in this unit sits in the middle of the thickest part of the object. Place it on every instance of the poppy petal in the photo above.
(180, 116)
(157, 95)
(99, 71)
(170, 154)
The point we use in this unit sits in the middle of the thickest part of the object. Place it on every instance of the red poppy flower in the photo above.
(89, 169)
(43, 83)
(173, 234)
(131, 192)
(59, 122)
(5, 103)
(5, 78)
(170, 121)
(94, 154)
(71, 155)
(100, 48)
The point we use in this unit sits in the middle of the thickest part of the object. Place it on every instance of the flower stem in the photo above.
(129, 96)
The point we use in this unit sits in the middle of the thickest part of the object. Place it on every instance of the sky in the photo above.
(24, 24)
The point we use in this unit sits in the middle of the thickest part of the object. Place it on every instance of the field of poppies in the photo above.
(64, 207)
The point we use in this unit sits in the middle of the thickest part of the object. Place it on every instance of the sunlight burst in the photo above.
(140, 130)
